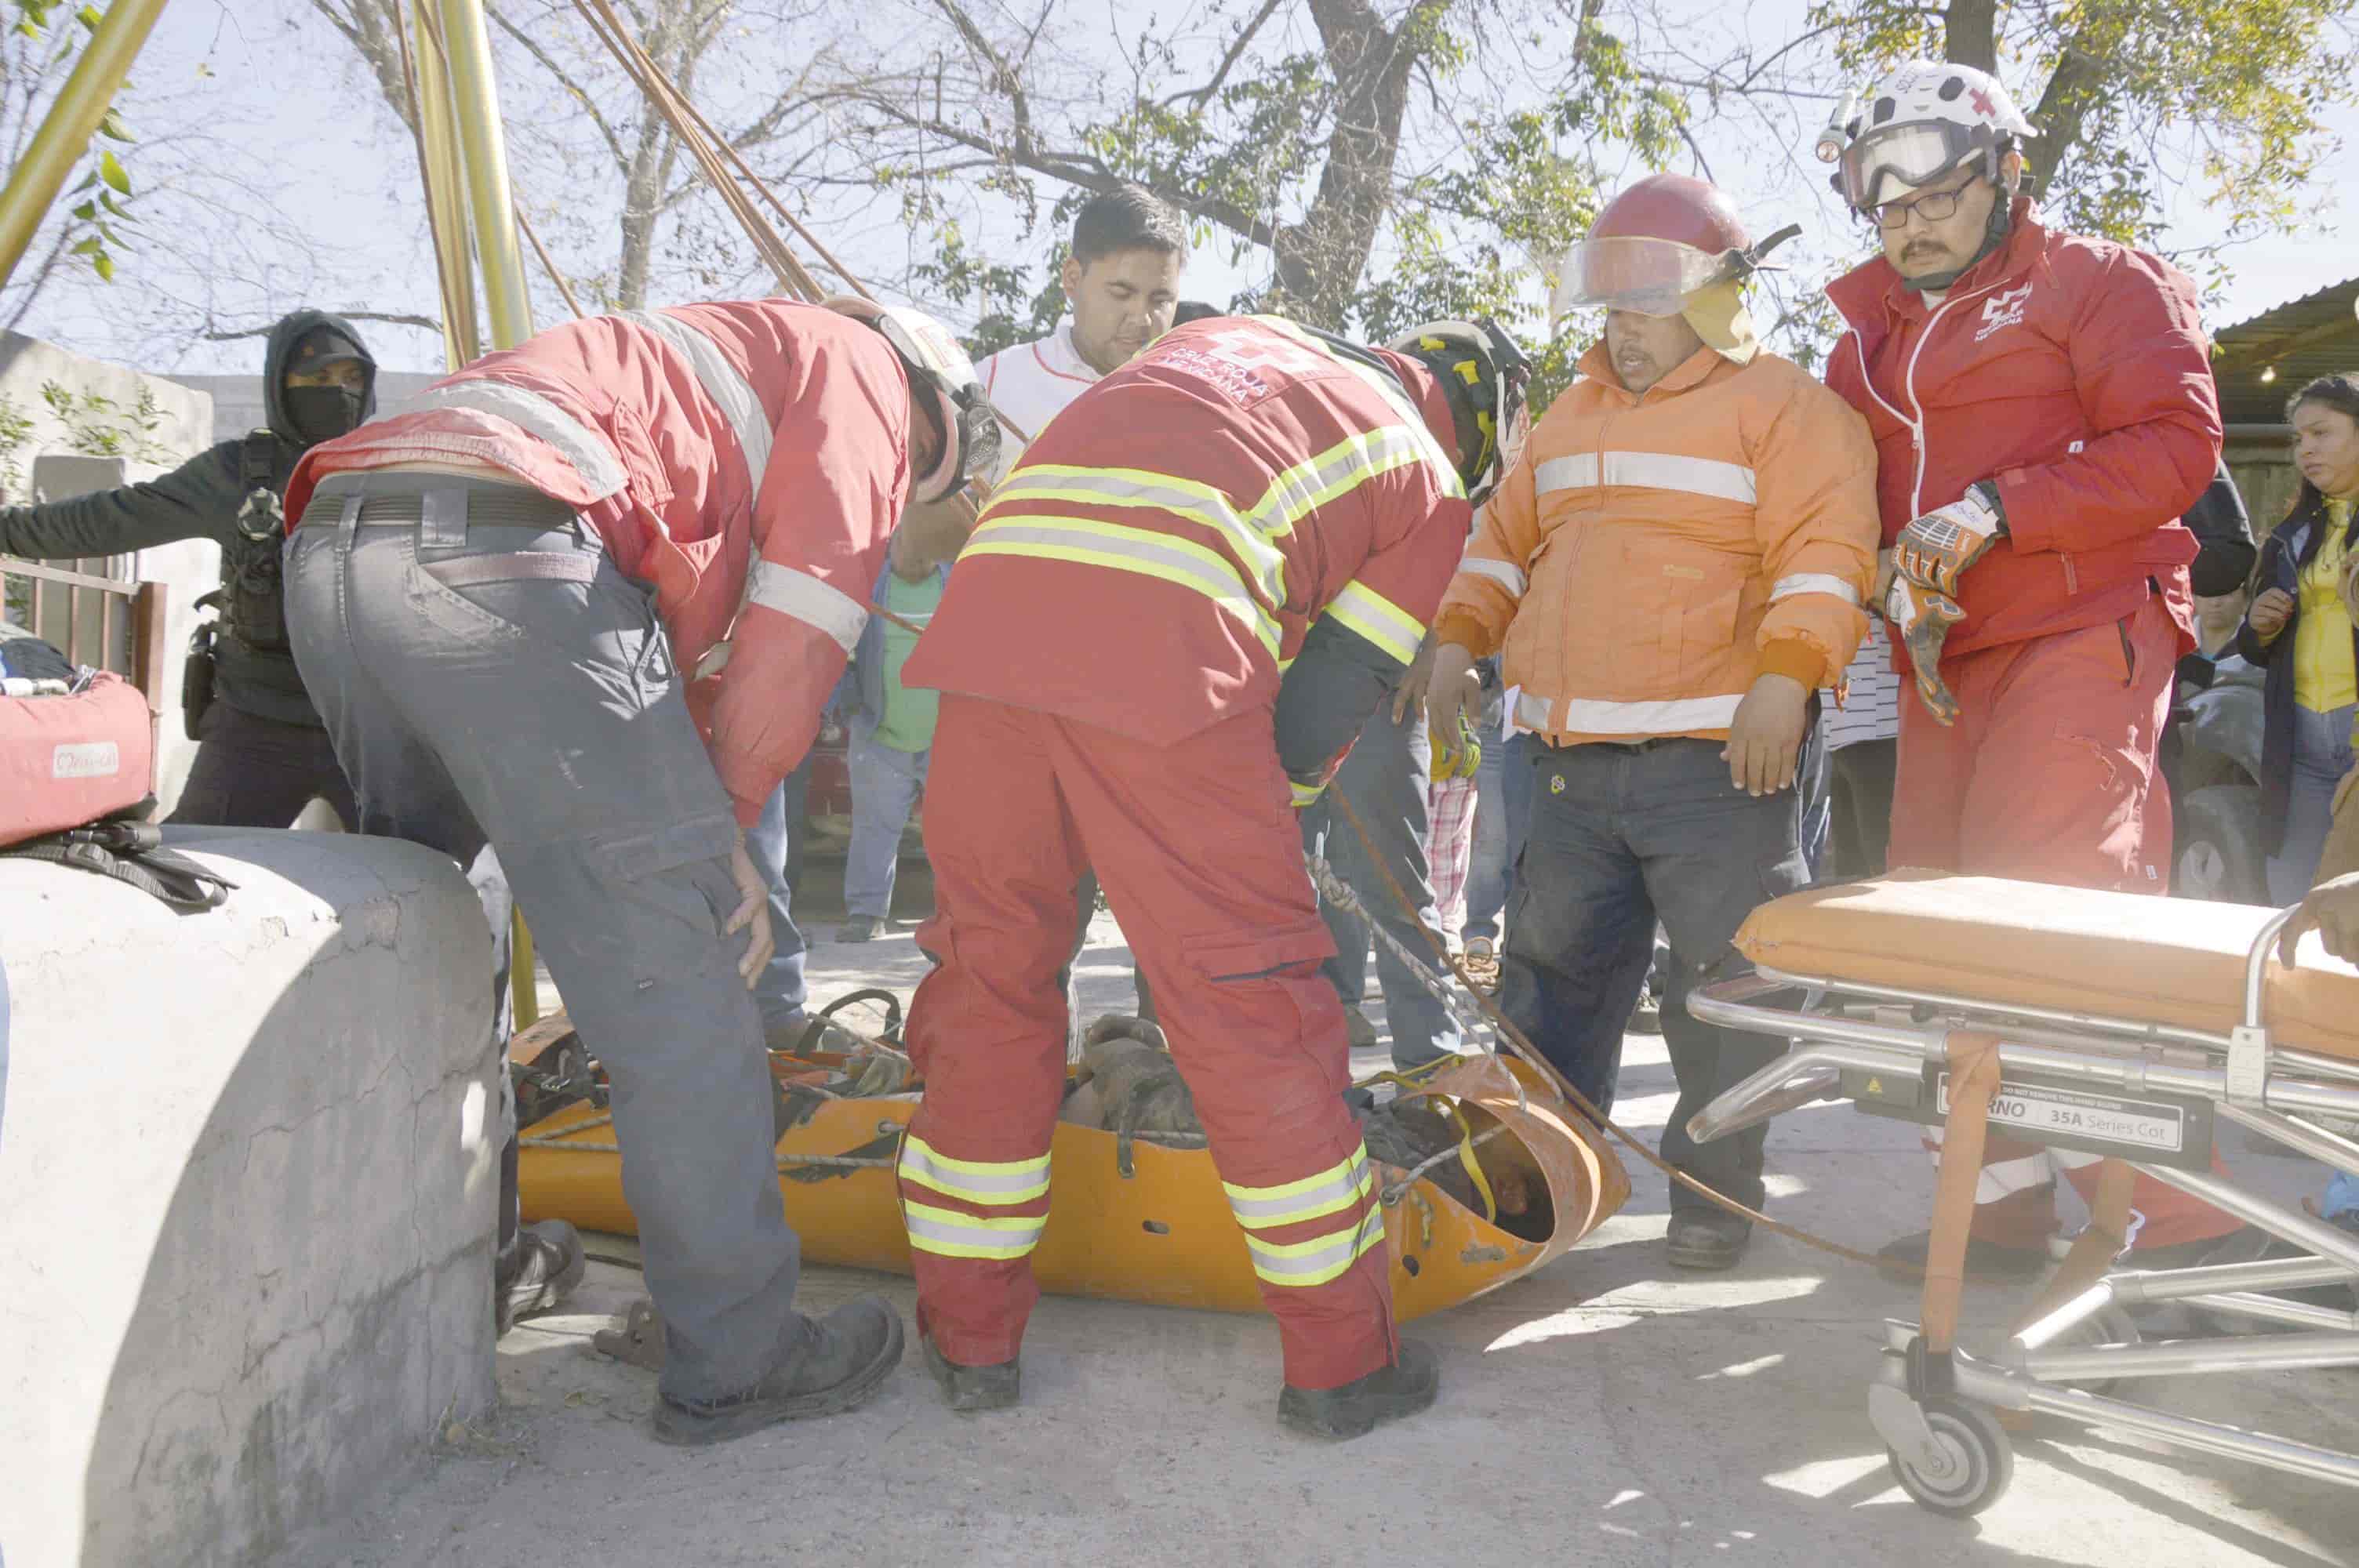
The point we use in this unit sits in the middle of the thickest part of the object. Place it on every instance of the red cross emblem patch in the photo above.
(1982, 105)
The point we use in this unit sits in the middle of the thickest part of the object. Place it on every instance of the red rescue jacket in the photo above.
(2072, 372)
(1168, 541)
(748, 458)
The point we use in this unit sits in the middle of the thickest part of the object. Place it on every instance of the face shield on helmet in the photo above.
(1650, 276)
(938, 365)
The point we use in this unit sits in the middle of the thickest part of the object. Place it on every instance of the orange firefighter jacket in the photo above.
(1648, 556)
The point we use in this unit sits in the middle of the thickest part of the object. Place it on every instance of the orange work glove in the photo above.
(1925, 618)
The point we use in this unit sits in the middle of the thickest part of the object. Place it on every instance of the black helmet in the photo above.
(1483, 373)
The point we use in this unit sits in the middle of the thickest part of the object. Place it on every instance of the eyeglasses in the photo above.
(1933, 206)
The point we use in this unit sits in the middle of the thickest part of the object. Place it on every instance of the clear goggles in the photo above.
(1897, 160)
(1650, 276)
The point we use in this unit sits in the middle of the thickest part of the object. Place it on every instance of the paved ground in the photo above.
(1603, 1412)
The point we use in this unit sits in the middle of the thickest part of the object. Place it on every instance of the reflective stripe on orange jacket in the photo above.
(1648, 556)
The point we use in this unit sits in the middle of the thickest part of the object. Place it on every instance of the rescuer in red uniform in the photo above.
(1165, 630)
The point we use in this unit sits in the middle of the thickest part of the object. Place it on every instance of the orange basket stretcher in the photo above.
(1130, 1219)
(2129, 1027)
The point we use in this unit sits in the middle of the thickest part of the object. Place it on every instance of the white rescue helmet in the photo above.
(1924, 119)
(938, 363)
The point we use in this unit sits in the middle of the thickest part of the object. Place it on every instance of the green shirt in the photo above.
(907, 721)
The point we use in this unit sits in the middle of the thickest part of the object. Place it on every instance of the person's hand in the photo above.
(1409, 695)
(2333, 911)
(1935, 550)
(1767, 735)
(1924, 619)
(2269, 614)
(1453, 700)
(753, 911)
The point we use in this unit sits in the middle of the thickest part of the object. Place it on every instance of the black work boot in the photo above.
(1362, 1405)
(971, 1389)
(842, 1360)
(547, 1264)
(1706, 1239)
(1905, 1258)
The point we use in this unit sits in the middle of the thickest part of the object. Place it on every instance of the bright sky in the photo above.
(345, 172)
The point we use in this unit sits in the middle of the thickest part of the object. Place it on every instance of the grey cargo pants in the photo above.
(486, 673)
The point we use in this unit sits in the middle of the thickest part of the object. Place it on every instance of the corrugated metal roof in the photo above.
(2262, 361)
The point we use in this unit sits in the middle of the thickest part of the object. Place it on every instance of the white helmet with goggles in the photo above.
(1923, 120)
(937, 364)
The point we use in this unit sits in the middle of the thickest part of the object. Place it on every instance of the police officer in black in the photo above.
(262, 753)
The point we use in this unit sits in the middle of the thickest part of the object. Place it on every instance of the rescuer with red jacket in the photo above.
(1164, 633)
(584, 599)
(2044, 414)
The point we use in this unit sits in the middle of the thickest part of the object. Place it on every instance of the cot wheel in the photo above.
(1982, 1461)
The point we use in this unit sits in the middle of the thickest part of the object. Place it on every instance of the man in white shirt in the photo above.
(1121, 279)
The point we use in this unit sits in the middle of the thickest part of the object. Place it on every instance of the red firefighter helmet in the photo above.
(1657, 243)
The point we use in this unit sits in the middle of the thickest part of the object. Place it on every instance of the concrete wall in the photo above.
(237, 399)
(188, 568)
(250, 1160)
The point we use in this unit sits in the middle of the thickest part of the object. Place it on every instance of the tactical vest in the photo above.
(253, 603)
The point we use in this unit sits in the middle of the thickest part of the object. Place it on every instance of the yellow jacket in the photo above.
(1648, 556)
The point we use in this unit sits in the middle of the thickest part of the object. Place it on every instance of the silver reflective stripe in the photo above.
(956, 1235)
(1814, 582)
(730, 390)
(1675, 717)
(1301, 1201)
(807, 600)
(984, 1182)
(1529, 712)
(1307, 486)
(1135, 487)
(1507, 576)
(1192, 565)
(1648, 470)
(1315, 1262)
(1445, 471)
(590, 454)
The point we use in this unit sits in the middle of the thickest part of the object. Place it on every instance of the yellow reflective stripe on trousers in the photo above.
(1337, 1187)
(1379, 620)
(1306, 1263)
(1179, 561)
(975, 1181)
(1165, 492)
(948, 1234)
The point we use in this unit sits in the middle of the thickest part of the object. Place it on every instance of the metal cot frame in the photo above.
(1944, 1447)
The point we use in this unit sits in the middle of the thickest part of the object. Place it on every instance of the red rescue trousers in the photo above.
(2049, 776)
(1196, 844)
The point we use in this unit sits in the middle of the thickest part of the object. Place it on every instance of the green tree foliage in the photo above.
(37, 52)
(2135, 98)
(1369, 161)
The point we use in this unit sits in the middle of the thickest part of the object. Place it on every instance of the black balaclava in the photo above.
(322, 413)
(1995, 233)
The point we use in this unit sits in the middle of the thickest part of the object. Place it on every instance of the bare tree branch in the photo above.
(432, 323)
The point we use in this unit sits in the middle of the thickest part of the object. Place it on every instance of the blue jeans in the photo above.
(1619, 838)
(771, 844)
(1383, 778)
(1490, 870)
(2322, 755)
(884, 787)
